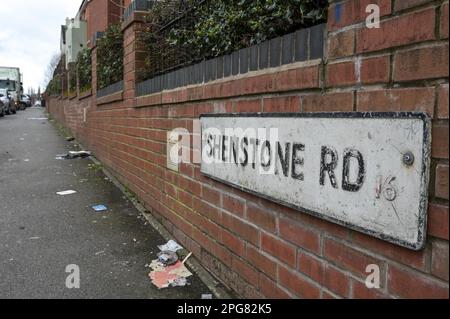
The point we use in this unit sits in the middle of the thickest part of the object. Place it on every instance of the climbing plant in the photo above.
(84, 69)
(110, 56)
(210, 28)
(54, 86)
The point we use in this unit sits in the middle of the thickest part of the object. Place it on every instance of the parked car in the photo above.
(37, 103)
(2, 108)
(25, 99)
(7, 102)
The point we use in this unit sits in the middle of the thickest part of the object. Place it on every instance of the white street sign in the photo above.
(365, 171)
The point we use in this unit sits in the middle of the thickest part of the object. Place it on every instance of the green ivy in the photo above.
(84, 69)
(228, 25)
(217, 27)
(110, 57)
(72, 74)
(54, 86)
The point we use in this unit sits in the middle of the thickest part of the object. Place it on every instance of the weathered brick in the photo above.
(438, 221)
(262, 218)
(210, 195)
(421, 64)
(439, 147)
(271, 290)
(279, 249)
(360, 291)
(298, 284)
(248, 106)
(299, 235)
(353, 11)
(233, 205)
(439, 259)
(263, 263)
(298, 79)
(246, 271)
(241, 228)
(341, 74)
(333, 102)
(444, 21)
(341, 44)
(311, 267)
(337, 281)
(282, 104)
(406, 29)
(375, 70)
(443, 102)
(441, 188)
(395, 100)
(402, 284)
(415, 259)
(406, 4)
(348, 258)
(233, 243)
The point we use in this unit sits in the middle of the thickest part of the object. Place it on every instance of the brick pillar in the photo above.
(94, 70)
(134, 56)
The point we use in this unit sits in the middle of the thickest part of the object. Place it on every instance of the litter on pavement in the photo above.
(170, 246)
(171, 276)
(65, 193)
(168, 271)
(73, 155)
(168, 258)
(100, 208)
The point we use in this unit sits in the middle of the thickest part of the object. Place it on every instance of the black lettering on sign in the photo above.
(328, 164)
(284, 160)
(346, 183)
(235, 149)
(266, 146)
(209, 141)
(297, 161)
(244, 146)
(224, 148)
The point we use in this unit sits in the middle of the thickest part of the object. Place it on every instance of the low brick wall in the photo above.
(256, 247)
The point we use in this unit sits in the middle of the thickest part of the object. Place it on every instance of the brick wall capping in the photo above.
(115, 97)
(136, 16)
(85, 94)
(216, 89)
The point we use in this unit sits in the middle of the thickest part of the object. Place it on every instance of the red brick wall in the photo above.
(256, 247)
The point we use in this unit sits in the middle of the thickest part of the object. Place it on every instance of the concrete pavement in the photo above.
(41, 233)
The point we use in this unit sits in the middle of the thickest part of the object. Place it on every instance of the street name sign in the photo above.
(365, 171)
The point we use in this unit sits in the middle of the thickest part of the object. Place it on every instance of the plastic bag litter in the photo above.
(74, 155)
(170, 246)
(99, 208)
(65, 193)
(167, 258)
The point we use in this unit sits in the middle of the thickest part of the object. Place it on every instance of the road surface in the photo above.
(42, 233)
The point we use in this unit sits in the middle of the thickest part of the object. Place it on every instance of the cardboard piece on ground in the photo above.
(171, 276)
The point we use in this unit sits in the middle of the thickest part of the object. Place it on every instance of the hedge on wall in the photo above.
(54, 86)
(224, 26)
(214, 28)
(84, 69)
(110, 57)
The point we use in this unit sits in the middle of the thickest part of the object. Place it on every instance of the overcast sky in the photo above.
(29, 34)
